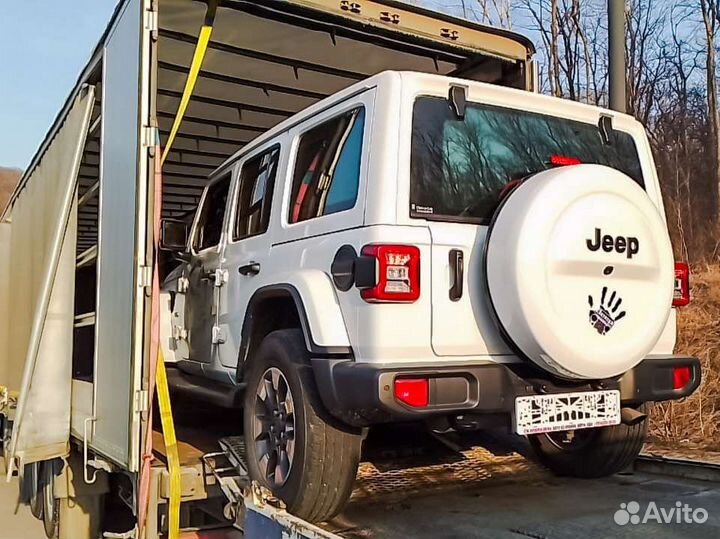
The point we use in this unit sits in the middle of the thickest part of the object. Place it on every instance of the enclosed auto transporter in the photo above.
(79, 336)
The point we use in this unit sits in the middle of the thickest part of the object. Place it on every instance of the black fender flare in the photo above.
(275, 291)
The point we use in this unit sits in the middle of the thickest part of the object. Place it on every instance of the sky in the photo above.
(44, 44)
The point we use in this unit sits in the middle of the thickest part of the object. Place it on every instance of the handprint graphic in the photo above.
(606, 315)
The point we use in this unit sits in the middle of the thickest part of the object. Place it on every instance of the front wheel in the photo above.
(590, 453)
(293, 447)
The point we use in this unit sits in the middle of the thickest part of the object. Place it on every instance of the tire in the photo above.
(29, 486)
(592, 453)
(315, 459)
(50, 504)
(35, 502)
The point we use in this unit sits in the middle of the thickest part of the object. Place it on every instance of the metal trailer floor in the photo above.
(549, 508)
(490, 487)
(484, 486)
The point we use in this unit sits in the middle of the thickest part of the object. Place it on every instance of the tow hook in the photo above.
(630, 416)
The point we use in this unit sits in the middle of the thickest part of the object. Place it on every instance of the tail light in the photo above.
(397, 274)
(564, 161)
(412, 391)
(681, 296)
(681, 377)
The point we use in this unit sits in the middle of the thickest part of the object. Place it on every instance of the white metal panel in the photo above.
(4, 298)
(42, 251)
(116, 337)
(82, 403)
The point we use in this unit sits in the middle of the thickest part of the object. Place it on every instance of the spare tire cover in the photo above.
(580, 271)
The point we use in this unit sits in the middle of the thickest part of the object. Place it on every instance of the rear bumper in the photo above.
(362, 394)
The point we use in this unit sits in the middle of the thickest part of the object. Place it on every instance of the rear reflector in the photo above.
(398, 274)
(681, 295)
(563, 161)
(681, 377)
(412, 391)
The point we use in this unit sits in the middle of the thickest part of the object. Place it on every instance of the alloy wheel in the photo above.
(274, 427)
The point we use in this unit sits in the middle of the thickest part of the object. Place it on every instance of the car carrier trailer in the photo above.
(79, 336)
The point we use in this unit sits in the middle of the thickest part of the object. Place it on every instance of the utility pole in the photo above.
(616, 54)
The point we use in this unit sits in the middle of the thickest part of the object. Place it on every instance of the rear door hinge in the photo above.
(183, 284)
(221, 277)
(142, 402)
(145, 276)
(218, 335)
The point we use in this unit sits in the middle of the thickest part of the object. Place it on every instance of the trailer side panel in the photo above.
(119, 230)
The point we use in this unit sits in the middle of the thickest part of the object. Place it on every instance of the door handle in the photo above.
(456, 273)
(251, 268)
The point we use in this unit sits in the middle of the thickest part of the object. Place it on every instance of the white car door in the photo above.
(247, 249)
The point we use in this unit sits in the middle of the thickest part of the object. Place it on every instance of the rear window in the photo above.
(327, 168)
(459, 167)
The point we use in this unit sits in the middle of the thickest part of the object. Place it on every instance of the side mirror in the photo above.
(173, 235)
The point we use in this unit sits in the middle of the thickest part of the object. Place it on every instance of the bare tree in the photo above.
(710, 10)
(671, 51)
(494, 12)
(646, 52)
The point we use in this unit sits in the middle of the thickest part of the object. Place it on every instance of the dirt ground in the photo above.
(16, 522)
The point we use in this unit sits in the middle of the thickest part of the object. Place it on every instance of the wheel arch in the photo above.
(282, 306)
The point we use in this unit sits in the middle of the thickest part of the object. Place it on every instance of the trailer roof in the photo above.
(267, 61)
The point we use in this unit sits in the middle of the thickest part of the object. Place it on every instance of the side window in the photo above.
(210, 222)
(327, 167)
(257, 178)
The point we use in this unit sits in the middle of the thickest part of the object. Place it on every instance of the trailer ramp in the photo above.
(251, 507)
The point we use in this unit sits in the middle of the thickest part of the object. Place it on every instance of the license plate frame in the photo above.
(538, 414)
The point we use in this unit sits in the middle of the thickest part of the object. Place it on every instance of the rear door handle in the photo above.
(457, 270)
(251, 268)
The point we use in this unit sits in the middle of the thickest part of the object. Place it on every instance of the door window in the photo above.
(210, 221)
(327, 167)
(256, 186)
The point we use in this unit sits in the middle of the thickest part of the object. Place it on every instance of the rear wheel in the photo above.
(293, 447)
(50, 504)
(590, 453)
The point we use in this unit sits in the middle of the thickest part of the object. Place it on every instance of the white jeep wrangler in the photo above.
(418, 247)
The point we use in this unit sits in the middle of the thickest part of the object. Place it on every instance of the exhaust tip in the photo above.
(630, 416)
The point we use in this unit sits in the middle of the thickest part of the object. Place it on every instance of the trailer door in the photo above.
(38, 353)
(122, 243)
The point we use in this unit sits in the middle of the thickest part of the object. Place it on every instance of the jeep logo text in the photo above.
(629, 245)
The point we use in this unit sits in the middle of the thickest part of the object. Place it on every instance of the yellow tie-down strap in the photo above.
(161, 383)
(171, 449)
(197, 61)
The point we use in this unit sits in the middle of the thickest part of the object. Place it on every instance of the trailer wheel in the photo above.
(33, 478)
(293, 447)
(590, 453)
(50, 504)
(29, 486)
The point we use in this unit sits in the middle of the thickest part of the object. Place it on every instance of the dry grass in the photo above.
(8, 179)
(697, 418)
